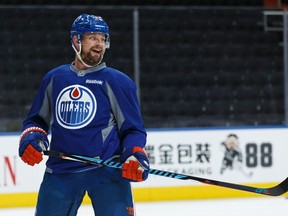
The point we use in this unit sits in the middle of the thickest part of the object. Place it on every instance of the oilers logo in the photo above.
(75, 107)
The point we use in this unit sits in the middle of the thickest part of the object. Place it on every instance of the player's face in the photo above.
(93, 48)
(232, 143)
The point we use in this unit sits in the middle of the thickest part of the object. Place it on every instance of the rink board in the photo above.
(146, 194)
(197, 152)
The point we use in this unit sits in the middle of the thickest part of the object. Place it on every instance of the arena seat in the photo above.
(200, 66)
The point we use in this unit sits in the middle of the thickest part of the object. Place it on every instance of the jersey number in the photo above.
(252, 156)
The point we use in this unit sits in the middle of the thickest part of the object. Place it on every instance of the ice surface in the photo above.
(217, 207)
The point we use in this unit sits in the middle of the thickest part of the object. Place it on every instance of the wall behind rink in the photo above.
(258, 158)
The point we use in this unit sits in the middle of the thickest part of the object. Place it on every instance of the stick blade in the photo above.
(279, 189)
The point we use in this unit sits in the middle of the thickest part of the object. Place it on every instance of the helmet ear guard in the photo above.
(107, 41)
(79, 38)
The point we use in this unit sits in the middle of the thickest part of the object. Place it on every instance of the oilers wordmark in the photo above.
(74, 111)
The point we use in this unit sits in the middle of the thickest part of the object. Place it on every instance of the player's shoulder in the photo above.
(60, 70)
(117, 75)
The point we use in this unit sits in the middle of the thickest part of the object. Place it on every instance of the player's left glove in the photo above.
(136, 165)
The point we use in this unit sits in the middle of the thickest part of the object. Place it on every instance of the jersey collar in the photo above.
(89, 70)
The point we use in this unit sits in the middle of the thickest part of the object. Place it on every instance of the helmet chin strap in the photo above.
(79, 56)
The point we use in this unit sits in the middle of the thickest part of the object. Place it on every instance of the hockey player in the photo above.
(92, 110)
(233, 156)
(232, 152)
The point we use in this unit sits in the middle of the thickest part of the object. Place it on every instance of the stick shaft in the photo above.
(273, 191)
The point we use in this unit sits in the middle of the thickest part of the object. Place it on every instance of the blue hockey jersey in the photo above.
(93, 112)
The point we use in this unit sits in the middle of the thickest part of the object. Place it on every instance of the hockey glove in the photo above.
(33, 141)
(136, 166)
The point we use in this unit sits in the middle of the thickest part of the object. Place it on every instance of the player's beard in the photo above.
(90, 59)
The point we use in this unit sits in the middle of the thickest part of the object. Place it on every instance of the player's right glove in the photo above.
(33, 141)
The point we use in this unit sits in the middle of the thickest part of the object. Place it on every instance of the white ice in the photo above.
(217, 207)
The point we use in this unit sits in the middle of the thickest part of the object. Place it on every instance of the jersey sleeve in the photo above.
(125, 107)
(40, 111)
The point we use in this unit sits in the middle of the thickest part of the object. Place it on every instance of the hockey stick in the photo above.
(273, 191)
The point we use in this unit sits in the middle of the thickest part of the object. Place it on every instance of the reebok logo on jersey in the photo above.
(75, 107)
(100, 82)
